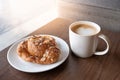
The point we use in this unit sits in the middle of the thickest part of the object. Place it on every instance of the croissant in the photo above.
(39, 49)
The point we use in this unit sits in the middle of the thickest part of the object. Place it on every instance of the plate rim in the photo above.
(15, 43)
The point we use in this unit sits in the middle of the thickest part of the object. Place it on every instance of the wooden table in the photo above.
(105, 67)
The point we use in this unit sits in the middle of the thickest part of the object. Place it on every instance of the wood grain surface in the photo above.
(105, 67)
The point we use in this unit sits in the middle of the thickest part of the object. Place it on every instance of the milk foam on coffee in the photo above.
(84, 29)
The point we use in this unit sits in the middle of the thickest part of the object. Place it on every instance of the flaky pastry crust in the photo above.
(39, 49)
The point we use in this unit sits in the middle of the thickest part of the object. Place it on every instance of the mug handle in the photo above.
(107, 41)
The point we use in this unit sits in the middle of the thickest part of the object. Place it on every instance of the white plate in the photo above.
(21, 65)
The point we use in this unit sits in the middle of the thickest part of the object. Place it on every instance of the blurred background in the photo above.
(100, 11)
(16, 12)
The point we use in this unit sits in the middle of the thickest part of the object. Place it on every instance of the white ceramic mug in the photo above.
(84, 45)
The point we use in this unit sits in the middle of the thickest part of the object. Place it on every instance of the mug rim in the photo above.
(85, 22)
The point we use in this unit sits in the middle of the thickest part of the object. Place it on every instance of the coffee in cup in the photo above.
(83, 37)
(84, 29)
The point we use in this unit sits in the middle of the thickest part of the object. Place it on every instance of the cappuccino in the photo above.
(83, 37)
(83, 29)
